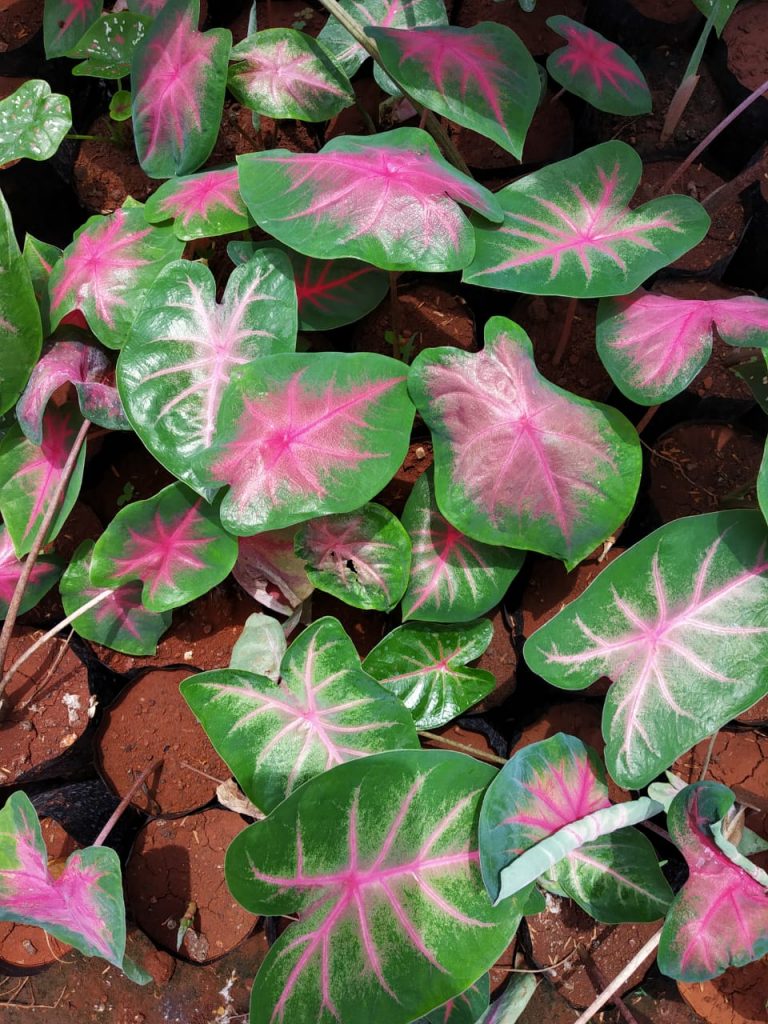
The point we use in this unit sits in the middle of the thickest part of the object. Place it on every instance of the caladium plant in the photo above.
(65, 22)
(33, 122)
(201, 205)
(46, 571)
(20, 324)
(466, 1008)
(108, 45)
(269, 569)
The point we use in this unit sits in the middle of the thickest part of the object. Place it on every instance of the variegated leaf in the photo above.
(40, 258)
(519, 461)
(511, 1004)
(269, 569)
(66, 21)
(201, 205)
(46, 571)
(325, 711)
(108, 45)
(679, 622)
(466, 1008)
(21, 333)
(33, 121)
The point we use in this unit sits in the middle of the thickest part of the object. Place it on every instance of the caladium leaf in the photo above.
(719, 918)
(150, 8)
(453, 578)
(654, 345)
(33, 121)
(326, 710)
(508, 1008)
(20, 326)
(466, 1008)
(482, 77)
(178, 81)
(722, 11)
(46, 571)
(519, 461)
(172, 542)
(184, 349)
(330, 293)
(40, 258)
(29, 473)
(389, 200)
(260, 647)
(425, 665)
(362, 557)
(547, 813)
(201, 205)
(393, 916)
(306, 435)
(284, 73)
(119, 621)
(70, 360)
(678, 623)
(269, 569)
(65, 22)
(108, 45)
(597, 70)
(107, 269)
(568, 229)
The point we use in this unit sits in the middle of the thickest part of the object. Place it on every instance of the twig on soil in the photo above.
(33, 1005)
(597, 976)
(481, 754)
(621, 978)
(115, 815)
(708, 757)
(198, 771)
(679, 468)
(538, 970)
(394, 316)
(54, 665)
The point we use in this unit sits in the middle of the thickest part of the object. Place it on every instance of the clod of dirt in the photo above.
(658, 1001)
(418, 458)
(756, 715)
(500, 659)
(176, 873)
(740, 996)
(744, 35)
(107, 172)
(149, 723)
(19, 21)
(429, 317)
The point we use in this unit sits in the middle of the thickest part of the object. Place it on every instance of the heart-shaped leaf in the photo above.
(453, 578)
(389, 200)
(83, 364)
(325, 711)
(306, 435)
(260, 647)
(482, 77)
(106, 271)
(20, 328)
(425, 665)
(46, 571)
(184, 348)
(201, 205)
(466, 1008)
(118, 621)
(547, 814)
(269, 569)
(719, 918)
(568, 229)
(330, 293)
(33, 121)
(29, 473)
(178, 80)
(379, 858)
(40, 258)
(108, 45)
(678, 622)
(172, 542)
(362, 557)
(597, 70)
(654, 345)
(284, 73)
(65, 22)
(519, 461)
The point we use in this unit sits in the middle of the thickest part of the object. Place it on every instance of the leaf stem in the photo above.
(565, 333)
(394, 315)
(621, 978)
(116, 814)
(464, 747)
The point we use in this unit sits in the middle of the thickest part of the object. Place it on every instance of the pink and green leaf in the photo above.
(33, 122)
(361, 557)
(29, 473)
(326, 710)
(547, 816)
(519, 461)
(108, 268)
(40, 258)
(568, 229)
(392, 913)
(654, 345)
(173, 543)
(46, 571)
(185, 349)
(466, 1008)
(21, 332)
(597, 70)
(65, 22)
(719, 919)
(453, 578)
(269, 569)
(149, 8)
(119, 621)
(108, 45)
(305, 435)
(284, 73)
(178, 80)
(201, 205)
(677, 624)
(69, 360)
(482, 77)
(425, 665)
(389, 200)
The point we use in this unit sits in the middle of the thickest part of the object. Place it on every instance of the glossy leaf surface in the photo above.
(425, 665)
(679, 622)
(307, 435)
(393, 916)
(466, 1008)
(453, 578)
(40, 258)
(65, 22)
(519, 461)
(269, 569)
(46, 571)
(481, 77)
(20, 326)
(201, 205)
(361, 557)
(33, 121)
(184, 349)
(390, 200)
(108, 45)
(568, 229)
(325, 711)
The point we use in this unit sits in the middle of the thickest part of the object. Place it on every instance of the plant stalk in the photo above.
(116, 814)
(464, 747)
(690, 79)
(394, 315)
(637, 961)
(565, 334)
